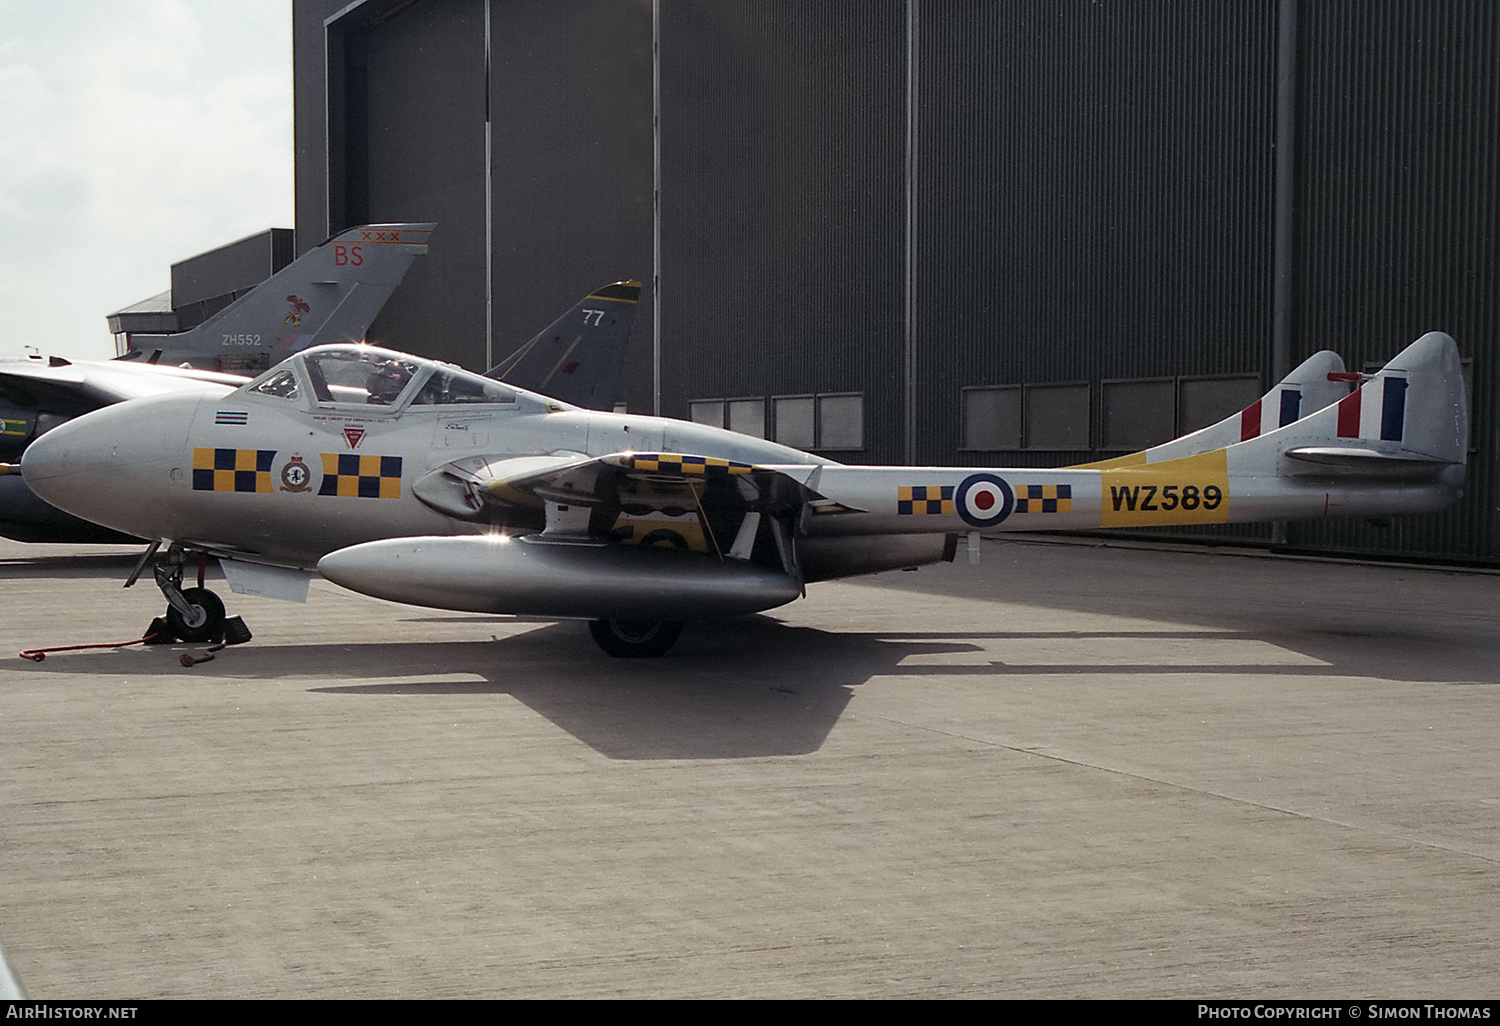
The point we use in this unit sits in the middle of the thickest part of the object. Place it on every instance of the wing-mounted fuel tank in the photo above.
(498, 574)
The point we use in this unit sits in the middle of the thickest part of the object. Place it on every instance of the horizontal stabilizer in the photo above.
(1333, 456)
(1366, 463)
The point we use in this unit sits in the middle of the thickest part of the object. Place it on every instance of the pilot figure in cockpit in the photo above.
(387, 381)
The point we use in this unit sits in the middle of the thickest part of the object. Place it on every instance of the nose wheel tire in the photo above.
(635, 639)
(207, 621)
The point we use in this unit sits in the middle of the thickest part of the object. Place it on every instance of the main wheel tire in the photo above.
(635, 639)
(213, 619)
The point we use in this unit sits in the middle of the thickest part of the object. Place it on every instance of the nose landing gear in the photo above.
(193, 615)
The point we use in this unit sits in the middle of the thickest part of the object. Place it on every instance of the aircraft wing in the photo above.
(36, 397)
(631, 536)
(100, 384)
(721, 491)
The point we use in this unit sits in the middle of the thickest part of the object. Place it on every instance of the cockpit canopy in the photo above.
(371, 377)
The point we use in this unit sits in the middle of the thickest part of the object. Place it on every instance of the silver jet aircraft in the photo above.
(423, 483)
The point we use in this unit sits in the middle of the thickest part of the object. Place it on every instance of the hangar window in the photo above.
(833, 420)
(1202, 402)
(747, 416)
(1136, 413)
(841, 421)
(1139, 414)
(830, 420)
(992, 417)
(707, 411)
(795, 420)
(1057, 416)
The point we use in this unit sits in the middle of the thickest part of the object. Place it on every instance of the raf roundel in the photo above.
(983, 500)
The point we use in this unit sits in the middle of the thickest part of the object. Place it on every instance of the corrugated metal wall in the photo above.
(1094, 197)
(566, 93)
(424, 161)
(783, 203)
(570, 100)
(1398, 228)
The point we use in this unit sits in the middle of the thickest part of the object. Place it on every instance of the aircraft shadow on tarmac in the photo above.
(751, 687)
(747, 688)
(90, 566)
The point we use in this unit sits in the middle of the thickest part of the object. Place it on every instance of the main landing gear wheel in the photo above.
(635, 639)
(205, 622)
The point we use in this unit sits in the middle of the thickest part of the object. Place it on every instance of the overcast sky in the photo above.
(133, 134)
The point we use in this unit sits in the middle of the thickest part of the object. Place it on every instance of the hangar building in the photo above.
(936, 231)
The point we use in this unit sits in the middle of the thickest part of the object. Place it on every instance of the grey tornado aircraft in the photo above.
(420, 482)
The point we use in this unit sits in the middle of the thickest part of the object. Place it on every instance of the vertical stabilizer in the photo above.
(329, 294)
(1408, 421)
(580, 358)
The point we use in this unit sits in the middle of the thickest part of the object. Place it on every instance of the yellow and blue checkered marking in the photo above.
(687, 466)
(360, 475)
(919, 500)
(1037, 498)
(232, 470)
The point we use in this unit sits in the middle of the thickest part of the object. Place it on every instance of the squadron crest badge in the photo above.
(295, 477)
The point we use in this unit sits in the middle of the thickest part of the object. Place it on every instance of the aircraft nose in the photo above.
(85, 465)
(51, 456)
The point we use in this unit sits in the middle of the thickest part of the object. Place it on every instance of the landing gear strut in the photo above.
(635, 639)
(204, 620)
(194, 615)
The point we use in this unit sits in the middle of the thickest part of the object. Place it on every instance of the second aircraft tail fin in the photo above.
(329, 294)
(1317, 382)
(580, 358)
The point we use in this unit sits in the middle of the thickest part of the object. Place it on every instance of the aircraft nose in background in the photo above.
(57, 455)
(57, 468)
